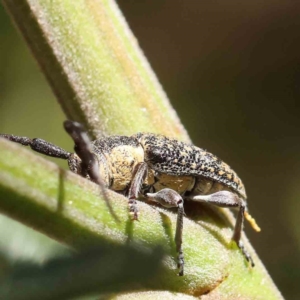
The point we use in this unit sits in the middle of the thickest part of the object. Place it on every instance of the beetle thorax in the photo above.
(122, 162)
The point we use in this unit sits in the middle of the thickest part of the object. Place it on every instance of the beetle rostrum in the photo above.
(155, 167)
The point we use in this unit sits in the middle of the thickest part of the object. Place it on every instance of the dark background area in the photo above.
(231, 69)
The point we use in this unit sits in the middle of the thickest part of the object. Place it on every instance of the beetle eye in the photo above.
(155, 155)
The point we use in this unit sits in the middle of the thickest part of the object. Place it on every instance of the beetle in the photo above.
(147, 165)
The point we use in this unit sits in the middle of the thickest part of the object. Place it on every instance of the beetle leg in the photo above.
(83, 149)
(228, 199)
(38, 145)
(237, 234)
(89, 162)
(136, 183)
(169, 198)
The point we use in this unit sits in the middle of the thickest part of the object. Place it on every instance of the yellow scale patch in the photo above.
(179, 184)
(123, 160)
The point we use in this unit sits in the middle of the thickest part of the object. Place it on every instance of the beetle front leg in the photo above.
(169, 198)
(138, 178)
(230, 200)
(89, 162)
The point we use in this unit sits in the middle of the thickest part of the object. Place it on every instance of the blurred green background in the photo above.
(231, 69)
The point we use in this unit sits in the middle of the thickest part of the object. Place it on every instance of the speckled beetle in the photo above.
(153, 166)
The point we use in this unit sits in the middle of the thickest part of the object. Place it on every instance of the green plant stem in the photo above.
(102, 80)
(68, 208)
(95, 67)
(97, 271)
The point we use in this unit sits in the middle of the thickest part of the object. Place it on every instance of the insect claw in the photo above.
(134, 216)
(180, 263)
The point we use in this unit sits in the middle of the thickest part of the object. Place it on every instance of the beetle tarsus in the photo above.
(246, 253)
(169, 198)
(180, 264)
(134, 189)
(133, 209)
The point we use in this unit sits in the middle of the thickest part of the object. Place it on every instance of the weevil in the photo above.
(162, 169)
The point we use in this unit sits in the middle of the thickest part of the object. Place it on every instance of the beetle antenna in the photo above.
(38, 145)
(90, 163)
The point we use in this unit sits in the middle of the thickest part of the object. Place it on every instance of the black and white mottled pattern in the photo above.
(105, 145)
(173, 157)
